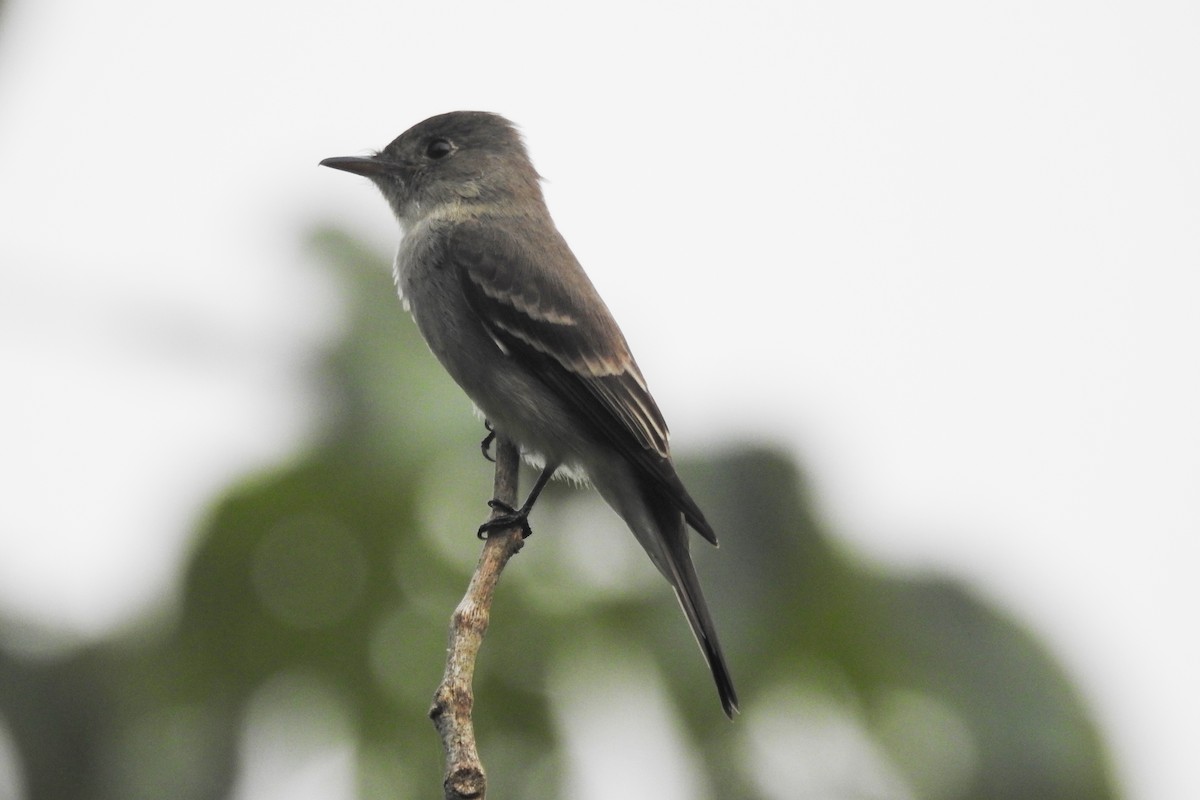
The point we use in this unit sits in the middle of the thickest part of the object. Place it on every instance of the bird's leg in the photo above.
(517, 516)
(487, 441)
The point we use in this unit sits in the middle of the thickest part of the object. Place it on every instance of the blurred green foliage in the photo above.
(323, 590)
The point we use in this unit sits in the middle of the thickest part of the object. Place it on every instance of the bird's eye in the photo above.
(439, 148)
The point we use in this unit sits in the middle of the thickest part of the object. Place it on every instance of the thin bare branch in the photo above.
(454, 698)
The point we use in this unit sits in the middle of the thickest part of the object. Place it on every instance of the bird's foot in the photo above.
(512, 517)
(486, 444)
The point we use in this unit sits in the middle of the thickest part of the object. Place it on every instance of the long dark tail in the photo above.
(679, 571)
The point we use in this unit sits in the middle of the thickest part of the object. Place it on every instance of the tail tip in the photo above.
(729, 701)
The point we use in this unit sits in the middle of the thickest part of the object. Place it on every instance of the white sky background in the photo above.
(947, 255)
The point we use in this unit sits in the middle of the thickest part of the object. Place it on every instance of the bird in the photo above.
(505, 306)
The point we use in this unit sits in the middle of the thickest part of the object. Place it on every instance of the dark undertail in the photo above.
(682, 575)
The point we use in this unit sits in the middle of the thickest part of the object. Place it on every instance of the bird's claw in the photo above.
(512, 517)
(487, 441)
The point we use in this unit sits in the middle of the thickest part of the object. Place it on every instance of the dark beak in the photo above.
(370, 166)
